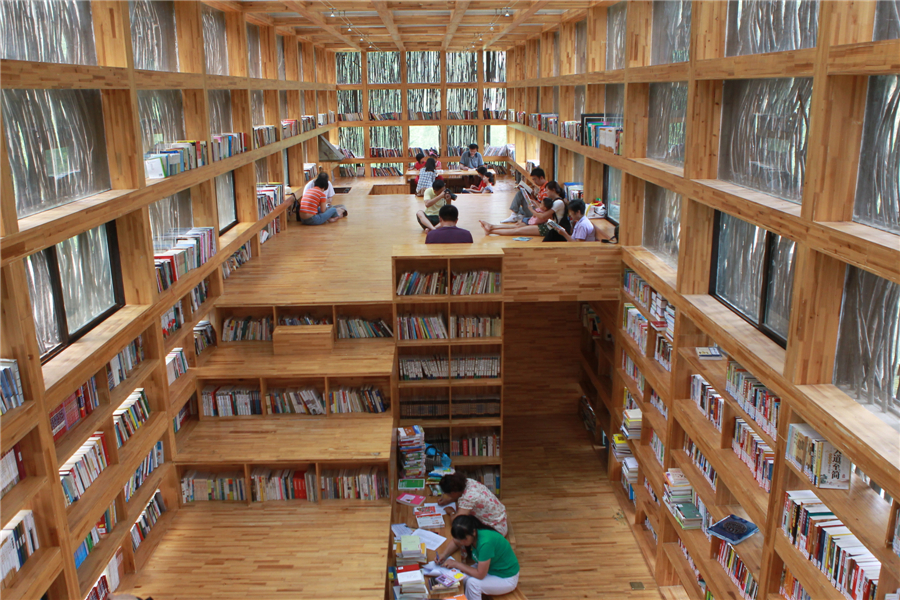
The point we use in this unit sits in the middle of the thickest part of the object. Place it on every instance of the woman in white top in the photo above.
(554, 208)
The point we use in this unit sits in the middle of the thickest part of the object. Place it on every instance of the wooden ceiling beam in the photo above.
(224, 5)
(302, 8)
(459, 12)
(522, 16)
(385, 14)
(264, 7)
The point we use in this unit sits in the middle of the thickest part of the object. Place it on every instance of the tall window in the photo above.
(74, 285)
(753, 274)
(54, 32)
(615, 36)
(665, 131)
(612, 192)
(662, 223)
(168, 216)
(162, 118)
(878, 184)
(671, 38)
(215, 41)
(348, 68)
(153, 36)
(462, 67)
(225, 201)
(254, 54)
(495, 66)
(887, 20)
(423, 67)
(351, 138)
(757, 26)
(423, 104)
(383, 67)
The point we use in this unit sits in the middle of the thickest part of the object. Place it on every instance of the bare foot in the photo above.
(334, 219)
(486, 227)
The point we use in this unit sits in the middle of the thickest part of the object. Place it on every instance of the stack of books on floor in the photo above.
(362, 329)
(297, 401)
(203, 487)
(289, 128)
(631, 423)
(282, 484)
(678, 496)
(442, 586)
(11, 394)
(411, 445)
(419, 327)
(228, 144)
(620, 447)
(410, 550)
(410, 583)
(18, 541)
(367, 399)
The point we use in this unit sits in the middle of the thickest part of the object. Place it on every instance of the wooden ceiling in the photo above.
(455, 25)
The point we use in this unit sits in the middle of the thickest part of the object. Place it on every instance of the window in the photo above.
(169, 215)
(426, 137)
(279, 45)
(383, 67)
(162, 117)
(351, 138)
(423, 104)
(74, 285)
(462, 67)
(494, 101)
(867, 363)
(495, 135)
(254, 55)
(153, 35)
(215, 41)
(219, 111)
(581, 47)
(459, 137)
(612, 192)
(662, 223)
(350, 103)
(54, 32)
(348, 68)
(665, 131)
(495, 66)
(385, 103)
(671, 35)
(258, 107)
(615, 35)
(462, 101)
(282, 104)
(757, 26)
(753, 274)
(225, 201)
(57, 147)
(765, 124)
(386, 141)
(878, 184)
(887, 20)
(423, 67)
(262, 170)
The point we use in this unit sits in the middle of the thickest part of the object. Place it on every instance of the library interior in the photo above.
(240, 359)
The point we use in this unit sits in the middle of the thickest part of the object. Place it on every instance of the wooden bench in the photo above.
(516, 594)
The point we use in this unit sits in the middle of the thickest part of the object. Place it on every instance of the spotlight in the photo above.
(492, 27)
(349, 28)
(360, 39)
(506, 14)
(332, 13)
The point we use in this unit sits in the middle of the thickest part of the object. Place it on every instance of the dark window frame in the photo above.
(115, 265)
(763, 288)
(234, 194)
(606, 196)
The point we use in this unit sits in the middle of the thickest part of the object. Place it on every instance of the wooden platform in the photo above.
(280, 551)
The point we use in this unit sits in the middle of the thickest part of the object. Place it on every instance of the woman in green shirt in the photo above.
(496, 568)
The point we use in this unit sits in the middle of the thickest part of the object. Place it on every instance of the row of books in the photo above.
(379, 152)
(414, 151)
(367, 399)
(738, 571)
(700, 461)
(73, 409)
(348, 153)
(356, 328)
(650, 491)
(518, 116)
(108, 582)
(155, 457)
(571, 130)
(292, 127)
(421, 327)
(479, 405)
(498, 115)
(470, 326)
(327, 118)
(605, 136)
(658, 447)
(418, 368)
(270, 231)
(263, 135)
(365, 483)
(11, 392)
(424, 115)
(197, 486)
(758, 401)
(238, 329)
(130, 416)
(708, 400)
(476, 444)
(425, 408)
(636, 326)
(436, 407)
(81, 469)
(229, 144)
(300, 320)
(662, 314)
(193, 248)
(172, 320)
(386, 171)
(639, 290)
(149, 517)
(693, 565)
(652, 531)
(657, 402)
(629, 476)
(176, 364)
(184, 413)
(172, 158)
(461, 115)
(125, 362)
(631, 369)
(12, 469)
(282, 484)
(474, 282)
(352, 170)
(204, 337)
(754, 452)
(100, 530)
(18, 541)
(417, 284)
(663, 352)
(236, 260)
(268, 197)
(230, 401)
(385, 116)
(818, 459)
(199, 294)
(488, 476)
(350, 116)
(544, 122)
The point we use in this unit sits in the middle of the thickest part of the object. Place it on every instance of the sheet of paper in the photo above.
(401, 529)
(431, 540)
(440, 509)
(432, 569)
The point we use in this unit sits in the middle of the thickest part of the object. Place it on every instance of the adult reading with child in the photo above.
(473, 498)
(495, 569)
(553, 208)
(582, 228)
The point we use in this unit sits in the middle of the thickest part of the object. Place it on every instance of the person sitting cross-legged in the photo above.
(314, 208)
(448, 232)
(435, 198)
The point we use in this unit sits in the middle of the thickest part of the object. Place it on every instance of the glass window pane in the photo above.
(887, 20)
(878, 184)
(757, 26)
(284, 167)
(462, 103)
(225, 200)
(219, 111)
(54, 32)
(423, 67)
(351, 139)
(739, 264)
(423, 104)
(349, 105)
(254, 56)
(215, 41)
(46, 322)
(780, 286)
(615, 35)
(613, 188)
(86, 275)
(668, 111)
(279, 45)
(495, 66)
(671, 38)
(662, 223)
(153, 36)
(384, 105)
(615, 102)
(348, 68)
(386, 138)
(495, 103)
(169, 215)
(459, 137)
(581, 46)
(765, 124)
(57, 147)
(426, 137)
(868, 347)
(258, 108)
(383, 67)
(262, 170)
(162, 118)
(495, 135)
(462, 67)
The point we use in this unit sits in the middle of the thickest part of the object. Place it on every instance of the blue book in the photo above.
(733, 529)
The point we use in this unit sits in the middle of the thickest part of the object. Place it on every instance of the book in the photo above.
(411, 484)
(411, 499)
(429, 518)
(733, 529)
(709, 353)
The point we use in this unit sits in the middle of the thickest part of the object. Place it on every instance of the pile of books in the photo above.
(204, 337)
(421, 327)
(631, 423)
(708, 400)
(474, 282)
(629, 475)
(499, 115)
(631, 369)
(185, 412)
(289, 128)
(418, 368)
(410, 582)
(378, 152)
(355, 328)
(385, 116)
(367, 399)
(462, 326)
(476, 444)
(418, 284)
(99, 531)
(268, 196)
(636, 326)
(366, 483)
(18, 541)
(754, 452)
(413, 151)
(126, 361)
(172, 158)
(700, 461)
(307, 123)
(230, 401)
(234, 262)
(149, 517)
(409, 550)
(425, 115)
(282, 484)
(350, 116)
(754, 398)
(475, 367)
(442, 585)
(151, 462)
(411, 446)
(228, 144)
(70, 411)
(82, 469)
(571, 130)
(172, 320)
(11, 393)
(176, 364)
(199, 295)
(818, 459)
(620, 447)
(237, 329)
(386, 171)
(12, 469)
(129, 417)
(462, 115)
(486, 405)
(678, 496)
(204, 487)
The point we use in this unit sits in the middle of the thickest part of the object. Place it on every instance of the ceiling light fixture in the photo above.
(492, 27)
(332, 13)
(507, 13)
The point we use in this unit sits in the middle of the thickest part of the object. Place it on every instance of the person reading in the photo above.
(473, 498)
(447, 232)
(472, 159)
(495, 569)
(528, 201)
(485, 186)
(582, 228)
(314, 209)
(553, 207)
(426, 177)
(435, 198)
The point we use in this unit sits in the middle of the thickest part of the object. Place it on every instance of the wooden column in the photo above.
(136, 257)
(637, 37)
(268, 51)
(631, 215)
(637, 110)
(596, 40)
(238, 57)
(112, 33)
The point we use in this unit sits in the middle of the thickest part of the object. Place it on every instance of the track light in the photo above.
(332, 13)
(506, 14)
(360, 39)
(492, 27)
(349, 28)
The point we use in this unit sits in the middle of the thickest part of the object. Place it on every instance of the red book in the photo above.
(408, 568)
(73, 416)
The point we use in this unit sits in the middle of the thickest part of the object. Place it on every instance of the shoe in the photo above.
(510, 219)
